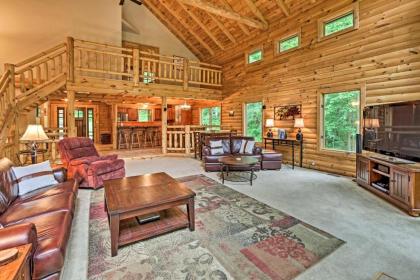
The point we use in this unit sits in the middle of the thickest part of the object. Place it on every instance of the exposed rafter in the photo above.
(185, 25)
(256, 11)
(202, 25)
(204, 5)
(223, 28)
(241, 25)
(283, 7)
(174, 30)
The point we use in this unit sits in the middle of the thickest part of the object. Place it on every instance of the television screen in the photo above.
(393, 129)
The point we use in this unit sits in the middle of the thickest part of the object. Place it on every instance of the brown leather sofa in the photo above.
(231, 146)
(42, 218)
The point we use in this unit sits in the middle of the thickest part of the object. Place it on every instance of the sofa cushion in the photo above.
(34, 176)
(247, 147)
(18, 212)
(236, 142)
(216, 147)
(65, 187)
(53, 231)
(105, 166)
(84, 160)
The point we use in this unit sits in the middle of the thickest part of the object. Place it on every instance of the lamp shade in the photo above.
(375, 123)
(34, 133)
(299, 123)
(269, 123)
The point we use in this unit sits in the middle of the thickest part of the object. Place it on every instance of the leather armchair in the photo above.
(85, 165)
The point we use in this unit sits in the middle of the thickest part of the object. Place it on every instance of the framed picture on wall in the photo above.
(287, 112)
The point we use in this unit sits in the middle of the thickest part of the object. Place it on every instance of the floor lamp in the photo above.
(34, 134)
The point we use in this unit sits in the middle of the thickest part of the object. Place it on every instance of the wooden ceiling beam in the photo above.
(241, 25)
(254, 9)
(223, 28)
(202, 25)
(173, 29)
(208, 7)
(283, 7)
(185, 25)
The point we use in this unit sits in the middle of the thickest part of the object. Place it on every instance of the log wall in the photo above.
(383, 55)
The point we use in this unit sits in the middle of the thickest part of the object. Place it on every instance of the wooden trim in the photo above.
(353, 8)
(285, 37)
(335, 89)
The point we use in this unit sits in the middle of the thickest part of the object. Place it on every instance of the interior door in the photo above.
(400, 185)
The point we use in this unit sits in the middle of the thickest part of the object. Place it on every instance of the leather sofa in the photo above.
(42, 218)
(231, 146)
(84, 164)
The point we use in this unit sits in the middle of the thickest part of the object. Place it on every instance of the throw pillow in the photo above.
(216, 148)
(33, 177)
(247, 147)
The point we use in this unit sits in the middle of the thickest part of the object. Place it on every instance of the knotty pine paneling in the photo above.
(383, 54)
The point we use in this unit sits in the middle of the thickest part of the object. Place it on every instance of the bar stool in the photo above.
(135, 138)
(148, 137)
(124, 135)
(157, 136)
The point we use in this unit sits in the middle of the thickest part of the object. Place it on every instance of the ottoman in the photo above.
(271, 160)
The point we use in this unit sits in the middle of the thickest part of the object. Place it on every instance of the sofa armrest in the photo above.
(60, 174)
(257, 150)
(108, 157)
(18, 235)
(206, 151)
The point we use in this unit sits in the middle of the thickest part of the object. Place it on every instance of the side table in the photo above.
(20, 268)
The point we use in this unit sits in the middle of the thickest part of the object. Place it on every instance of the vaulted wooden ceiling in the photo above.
(210, 26)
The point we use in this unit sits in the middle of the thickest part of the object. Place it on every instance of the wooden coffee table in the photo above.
(129, 198)
(242, 163)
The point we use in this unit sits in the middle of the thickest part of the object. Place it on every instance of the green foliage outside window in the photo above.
(211, 116)
(148, 77)
(255, 56)
(253, 120)
(339, 24)
(289, 43)
(341, 120)
(144, 115)
(78, 114)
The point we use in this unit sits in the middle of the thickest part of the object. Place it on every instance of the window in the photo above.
(340, 120)
(144, 115)
(253, 120)
(342, 21)
(78, 113)
(90, 123)
(61, 120)
(211, 116)
(289, 43)
(254, 56)
(148, 77)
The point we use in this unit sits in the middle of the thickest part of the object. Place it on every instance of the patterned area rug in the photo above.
(236, 237)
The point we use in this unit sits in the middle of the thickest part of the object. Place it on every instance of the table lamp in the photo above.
(269, 123)
(299, 124)
(34, 134)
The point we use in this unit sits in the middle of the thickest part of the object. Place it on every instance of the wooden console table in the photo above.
(286, 142)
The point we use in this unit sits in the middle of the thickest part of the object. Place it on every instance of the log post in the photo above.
(164, 124)
(114, 116)
(186, 73)
(71, 122)
(70, 59)
(136, 66)
(11, 91)
(187, 139)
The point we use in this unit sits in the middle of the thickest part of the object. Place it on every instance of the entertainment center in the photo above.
(391, 179)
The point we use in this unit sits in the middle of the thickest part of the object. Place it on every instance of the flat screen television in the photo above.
(393, 129)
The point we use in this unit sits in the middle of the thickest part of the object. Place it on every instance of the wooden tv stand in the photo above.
(397, 183)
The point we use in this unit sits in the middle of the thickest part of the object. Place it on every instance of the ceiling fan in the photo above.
(139, 2)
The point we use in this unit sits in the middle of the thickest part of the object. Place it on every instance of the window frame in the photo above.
(320, 119)
(353, 8)
(254, 50)
(288, 36)
(244, 120)
(210, 115)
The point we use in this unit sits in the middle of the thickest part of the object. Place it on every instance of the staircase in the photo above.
(76, 64)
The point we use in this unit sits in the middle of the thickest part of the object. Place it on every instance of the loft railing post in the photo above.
(11, 90)
(136, 67)
(71, 121)
(186, 72)
(164, 125)
(70, 59)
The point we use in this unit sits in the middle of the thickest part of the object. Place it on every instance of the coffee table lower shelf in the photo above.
(170, 220)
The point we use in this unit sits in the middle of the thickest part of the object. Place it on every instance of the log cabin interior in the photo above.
(210, 139)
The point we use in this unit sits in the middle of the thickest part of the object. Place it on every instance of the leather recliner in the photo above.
(42, 218)
(84, 163)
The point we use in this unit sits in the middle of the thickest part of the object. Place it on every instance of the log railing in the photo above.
(112, 62)
(180, 138)
(6, 95)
